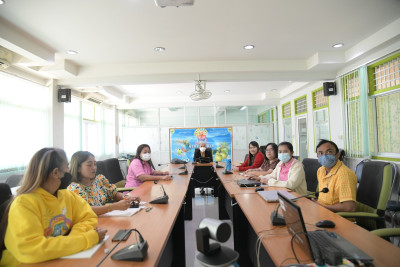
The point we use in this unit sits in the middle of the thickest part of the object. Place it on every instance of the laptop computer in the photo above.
(272, 195)
(248, 183)
(332, 249)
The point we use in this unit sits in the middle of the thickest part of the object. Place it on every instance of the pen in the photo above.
(149, 209)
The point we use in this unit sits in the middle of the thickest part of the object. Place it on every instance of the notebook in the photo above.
(295, 224)
(272, 195)
(248, 183)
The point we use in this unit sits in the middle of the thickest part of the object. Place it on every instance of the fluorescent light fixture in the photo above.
(159, 49)
(248, 47)
(71, 52)
(243, 108)
(337, 45)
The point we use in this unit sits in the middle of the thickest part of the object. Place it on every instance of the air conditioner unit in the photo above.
(4, 64)
(5, 58)
(177, 3)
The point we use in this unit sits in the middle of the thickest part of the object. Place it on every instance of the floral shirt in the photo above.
(100, 192)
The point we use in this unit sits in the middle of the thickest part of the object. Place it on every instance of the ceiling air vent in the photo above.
(95, 100)
(165, 3)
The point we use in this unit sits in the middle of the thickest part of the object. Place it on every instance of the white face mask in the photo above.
(146, 156)
(202, 149)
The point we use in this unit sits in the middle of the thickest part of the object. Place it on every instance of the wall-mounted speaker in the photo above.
(64, 95)
(329, 88)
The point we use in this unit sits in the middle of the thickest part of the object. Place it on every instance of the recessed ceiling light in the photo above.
(71, 52)
(248, 47)
(159, 49)
(179, 92)
(337, 45)
(227, 91)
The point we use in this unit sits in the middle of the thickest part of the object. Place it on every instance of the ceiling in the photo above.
(115, 41)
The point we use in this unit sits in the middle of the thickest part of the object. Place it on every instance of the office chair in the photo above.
(114, 173)
(101, 168)
(245, 157)
(14, 180)
(359, 169)
(386, 233)
(262, 150)
(203, 177)
(394, 205)
(372, 195)
(311, 167)
(5, 197)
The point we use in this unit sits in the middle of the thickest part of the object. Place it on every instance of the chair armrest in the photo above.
(387, 232)
(360, 215)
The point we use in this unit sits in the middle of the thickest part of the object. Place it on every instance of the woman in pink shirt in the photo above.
(142, 168)
(288, 173)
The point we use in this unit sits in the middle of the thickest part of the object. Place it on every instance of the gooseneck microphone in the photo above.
(161, 200)
(277, 219)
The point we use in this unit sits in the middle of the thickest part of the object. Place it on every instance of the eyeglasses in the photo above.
(269, 150)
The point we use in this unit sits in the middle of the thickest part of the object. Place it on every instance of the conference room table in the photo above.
(162, 227)
(250, 215)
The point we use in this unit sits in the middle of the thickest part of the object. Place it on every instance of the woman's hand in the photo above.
(121, 205)
(254, 177)
(101, 233)
(131, 198)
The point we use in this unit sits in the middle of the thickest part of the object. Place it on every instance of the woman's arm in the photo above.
(296, 177)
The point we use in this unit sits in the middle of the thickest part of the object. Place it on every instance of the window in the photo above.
(300, 105)
(351, 87)
(72, 127)
(321, 115)
(287, 122)
(384, 107)
(25, 118)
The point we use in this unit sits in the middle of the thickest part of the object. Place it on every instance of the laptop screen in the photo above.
(295, 223)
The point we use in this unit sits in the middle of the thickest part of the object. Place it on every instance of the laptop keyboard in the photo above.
(320, 242)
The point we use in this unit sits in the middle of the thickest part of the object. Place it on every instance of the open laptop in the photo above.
(272, 195)
(338, 247)
(248, 183)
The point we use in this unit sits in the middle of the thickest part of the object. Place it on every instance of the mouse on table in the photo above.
(325, 224)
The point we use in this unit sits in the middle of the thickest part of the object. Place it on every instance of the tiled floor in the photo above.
(203, 207)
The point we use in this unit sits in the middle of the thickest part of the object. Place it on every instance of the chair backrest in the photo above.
(375, 185)
(245, 157)
(101, 168)
(14, 180)
(359, 169)
(262, 150)
(311, 167)
(113, 170)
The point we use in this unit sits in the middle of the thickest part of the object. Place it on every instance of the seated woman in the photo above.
(254, 159)
(288, 173)
(142, 168)
(96, 190)
(269, 163)
(202, 152)
(44, 221)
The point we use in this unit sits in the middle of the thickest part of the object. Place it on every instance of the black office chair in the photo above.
(203, 177)
(262, 150)
(14, 180)
(114, 172)
(245, 157)
(311, 167)
(5, 197)
(101, 168)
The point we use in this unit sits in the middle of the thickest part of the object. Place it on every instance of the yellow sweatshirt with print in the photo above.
(42, 227)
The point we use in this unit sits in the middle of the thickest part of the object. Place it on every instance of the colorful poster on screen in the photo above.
(184, 141)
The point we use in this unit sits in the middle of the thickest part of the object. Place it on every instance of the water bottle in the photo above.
(228, 165)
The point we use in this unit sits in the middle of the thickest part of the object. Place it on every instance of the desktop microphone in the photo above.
(277, 219)
(161, 200)
(185, 171)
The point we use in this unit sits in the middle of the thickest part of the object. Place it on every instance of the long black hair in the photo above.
(251, 156)
(139, 150)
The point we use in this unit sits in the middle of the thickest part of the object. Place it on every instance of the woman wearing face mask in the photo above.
(142, 169)
(45, 222)
(202, 152)
(96, 190)
(288, 173)
(254, 159)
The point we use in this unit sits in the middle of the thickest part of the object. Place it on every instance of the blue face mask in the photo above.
(284, 157)
(328, 161)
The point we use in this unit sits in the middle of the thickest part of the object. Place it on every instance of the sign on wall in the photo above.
(184, 141)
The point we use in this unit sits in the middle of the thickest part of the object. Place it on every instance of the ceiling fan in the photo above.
(200, 92)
